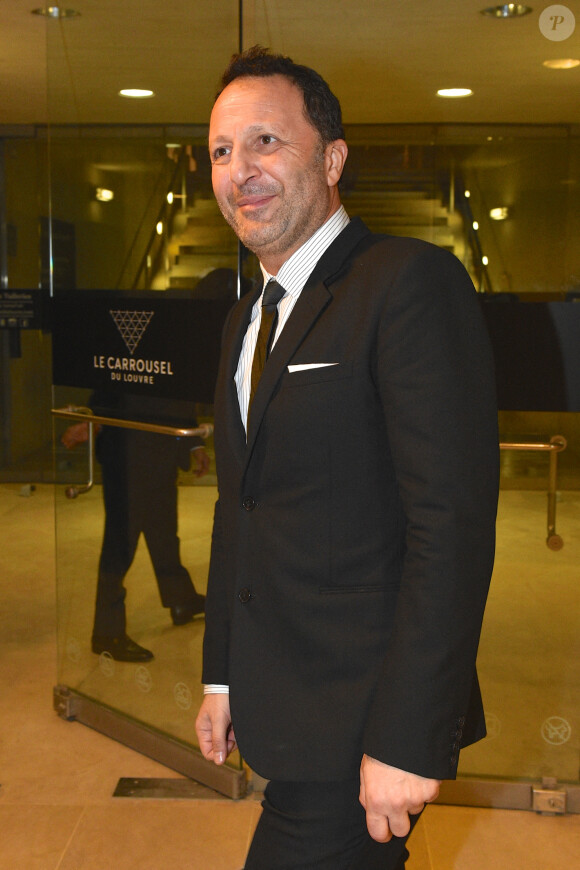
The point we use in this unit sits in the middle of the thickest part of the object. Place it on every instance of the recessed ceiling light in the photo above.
(56, 12)
(136, 93)
(561, 63)
(506, 10)
(454, 92)
(500, 213)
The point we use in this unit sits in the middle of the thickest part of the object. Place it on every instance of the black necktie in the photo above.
(272, 295)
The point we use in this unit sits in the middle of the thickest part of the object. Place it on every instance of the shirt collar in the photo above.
(294, 273)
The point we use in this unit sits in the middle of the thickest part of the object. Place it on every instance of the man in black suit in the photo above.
(354, 531)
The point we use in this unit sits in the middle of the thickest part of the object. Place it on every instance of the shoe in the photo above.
(122, 649)
(183, 613)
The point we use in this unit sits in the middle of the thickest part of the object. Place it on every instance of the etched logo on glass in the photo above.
(143, 679)
(107, 663)
(556, 730)
(182, 695)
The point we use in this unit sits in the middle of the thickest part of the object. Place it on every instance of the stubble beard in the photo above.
(273, 237)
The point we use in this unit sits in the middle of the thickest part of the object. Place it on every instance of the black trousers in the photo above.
(139, 472)
(319, 826)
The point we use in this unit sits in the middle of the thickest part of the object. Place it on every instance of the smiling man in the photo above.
(278, 209)
(356, 447)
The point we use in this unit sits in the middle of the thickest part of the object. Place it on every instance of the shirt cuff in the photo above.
(215, 689)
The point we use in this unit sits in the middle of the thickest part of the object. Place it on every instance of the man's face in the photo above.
(274, 182)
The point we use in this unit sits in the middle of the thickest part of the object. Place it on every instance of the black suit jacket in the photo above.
(354, 531)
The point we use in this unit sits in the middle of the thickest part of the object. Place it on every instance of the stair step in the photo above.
(406, 220)
(189, 264)
(437, 235)
(389, 205)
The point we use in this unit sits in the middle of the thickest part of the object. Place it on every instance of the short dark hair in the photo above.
(321, 107)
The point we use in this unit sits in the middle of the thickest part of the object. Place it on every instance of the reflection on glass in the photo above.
(531, 635)
(139, 477)
(165, 692)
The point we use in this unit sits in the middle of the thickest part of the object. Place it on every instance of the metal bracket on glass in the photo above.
(556, 444)
(80, 414)
(549, 799)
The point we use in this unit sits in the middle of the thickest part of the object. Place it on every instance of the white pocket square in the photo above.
(303, 366)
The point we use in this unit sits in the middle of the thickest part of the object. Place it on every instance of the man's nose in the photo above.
(243, 166)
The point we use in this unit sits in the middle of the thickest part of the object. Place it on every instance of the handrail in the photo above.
(80, 413)
(85, 415)
(160, 185)
(473, 237)
(556, 444)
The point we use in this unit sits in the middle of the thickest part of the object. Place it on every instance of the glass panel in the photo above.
(482, 192)
(409, 179)
(164, 693)
(25, 343)
(531, 636)
(133, 232)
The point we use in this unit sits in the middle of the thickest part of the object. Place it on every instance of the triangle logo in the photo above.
(132, 326)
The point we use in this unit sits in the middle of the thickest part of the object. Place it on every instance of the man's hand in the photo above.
(77, 434)
(200, 460)
(214, 728)
(389, 795)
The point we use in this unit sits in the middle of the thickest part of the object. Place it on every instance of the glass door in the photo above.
(131, 217)
(531, 635)
(141, 270)
(134, 507)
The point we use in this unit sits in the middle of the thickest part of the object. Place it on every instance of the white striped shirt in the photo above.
(292, 276)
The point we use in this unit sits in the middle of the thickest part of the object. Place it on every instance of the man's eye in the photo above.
(266, 139)
(220, 153)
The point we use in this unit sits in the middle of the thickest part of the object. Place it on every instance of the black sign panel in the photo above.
(146, 344)
(536, 347)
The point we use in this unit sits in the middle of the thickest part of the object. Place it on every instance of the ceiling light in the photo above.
(56, 12)
(562, 63)
(485, 260)
(501, 213)
(103, 194)
(136, 93)
(506, 10)
(454, 92)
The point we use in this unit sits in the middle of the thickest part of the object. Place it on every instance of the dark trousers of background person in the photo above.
(319, 826)
(139, 474)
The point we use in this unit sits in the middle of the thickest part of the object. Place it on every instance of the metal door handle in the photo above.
(85, 415)
(556, 445)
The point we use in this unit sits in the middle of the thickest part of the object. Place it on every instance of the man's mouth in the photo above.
(253, 201)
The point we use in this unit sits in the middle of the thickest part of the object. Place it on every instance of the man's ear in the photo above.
(335, 155)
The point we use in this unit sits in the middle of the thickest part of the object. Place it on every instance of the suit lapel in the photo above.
(314, 298)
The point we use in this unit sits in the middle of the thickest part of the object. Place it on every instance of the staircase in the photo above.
(406, 204)
(398, 203)
(201, 241)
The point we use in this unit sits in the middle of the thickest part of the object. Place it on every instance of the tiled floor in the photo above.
(57, 778)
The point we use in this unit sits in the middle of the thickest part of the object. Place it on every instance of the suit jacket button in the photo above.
(248, 503)
(244, 595)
